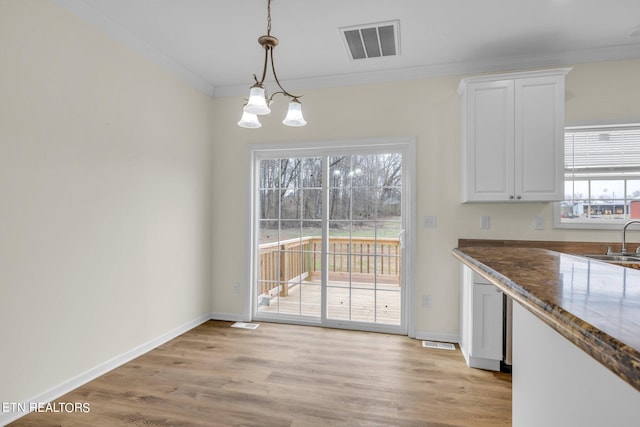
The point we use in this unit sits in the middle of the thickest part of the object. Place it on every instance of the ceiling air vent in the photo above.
(372, 40)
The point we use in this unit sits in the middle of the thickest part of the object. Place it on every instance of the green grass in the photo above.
(386, 228)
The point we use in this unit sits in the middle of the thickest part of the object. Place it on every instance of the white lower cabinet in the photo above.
(481, 321)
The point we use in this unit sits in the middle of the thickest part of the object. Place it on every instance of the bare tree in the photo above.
(361, 188)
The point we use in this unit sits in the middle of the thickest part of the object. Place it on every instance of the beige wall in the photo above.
(105, 199)
(429, 110)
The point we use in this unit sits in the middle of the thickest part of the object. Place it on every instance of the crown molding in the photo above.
(508, 63)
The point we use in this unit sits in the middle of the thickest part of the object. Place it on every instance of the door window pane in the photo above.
(269, 204)
(363, 305)
(312, 204)
(269, 174)
(388, 306)
(290, 204)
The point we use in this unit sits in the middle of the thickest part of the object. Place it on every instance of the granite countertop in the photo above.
(593, 304)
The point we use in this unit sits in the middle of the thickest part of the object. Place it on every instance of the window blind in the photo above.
(602, 151)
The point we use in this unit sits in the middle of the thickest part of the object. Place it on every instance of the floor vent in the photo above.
(372, 40)
(438, 345)
(243, 325)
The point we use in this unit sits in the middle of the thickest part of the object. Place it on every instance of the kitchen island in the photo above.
(576, 335)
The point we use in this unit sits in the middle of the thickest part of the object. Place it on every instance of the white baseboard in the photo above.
(93, 373)
(437, 336)
(229, 317)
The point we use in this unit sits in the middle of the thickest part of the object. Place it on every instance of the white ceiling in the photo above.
(213, 43)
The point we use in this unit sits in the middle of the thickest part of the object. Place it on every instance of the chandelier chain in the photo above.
(269, 17)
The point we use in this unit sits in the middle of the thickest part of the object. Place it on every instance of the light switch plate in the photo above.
(426, 301)
(485, 222)
(430, 221)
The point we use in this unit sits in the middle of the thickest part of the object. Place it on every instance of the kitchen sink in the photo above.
(623, 256)
(615, 257)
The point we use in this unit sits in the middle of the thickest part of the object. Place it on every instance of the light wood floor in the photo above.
(285, 375)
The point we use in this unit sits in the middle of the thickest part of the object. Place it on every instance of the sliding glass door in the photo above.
(328, 246)
(364, 245)
(289, 237)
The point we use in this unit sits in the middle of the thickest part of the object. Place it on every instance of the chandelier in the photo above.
(259, 100)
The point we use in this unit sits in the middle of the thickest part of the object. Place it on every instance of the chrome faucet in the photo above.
(624, 235)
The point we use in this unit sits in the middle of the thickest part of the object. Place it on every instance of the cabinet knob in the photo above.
(511, 197)
(519, 197)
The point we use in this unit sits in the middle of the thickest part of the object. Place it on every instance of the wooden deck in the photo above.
(304, 299)
(288, 260)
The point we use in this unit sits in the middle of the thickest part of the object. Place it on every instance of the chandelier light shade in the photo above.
(259, 100)
(294, 115)
(249, 121)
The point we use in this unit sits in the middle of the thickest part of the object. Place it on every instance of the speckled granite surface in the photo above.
(593, 304)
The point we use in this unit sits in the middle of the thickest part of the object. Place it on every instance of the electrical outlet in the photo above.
(539, 223)
(236, 288)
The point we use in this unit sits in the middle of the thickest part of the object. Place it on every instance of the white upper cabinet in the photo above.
(513, 137)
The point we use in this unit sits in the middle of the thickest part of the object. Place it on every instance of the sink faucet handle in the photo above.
(609, 249)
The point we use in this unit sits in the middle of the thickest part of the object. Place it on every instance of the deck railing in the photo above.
(292, 261)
